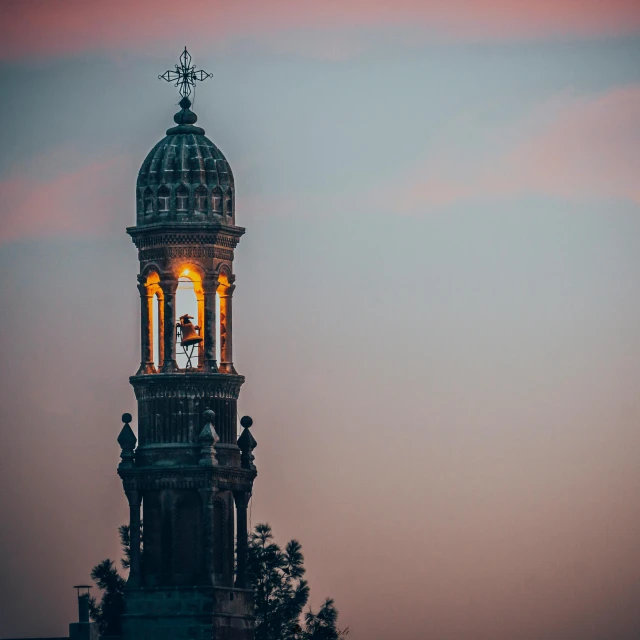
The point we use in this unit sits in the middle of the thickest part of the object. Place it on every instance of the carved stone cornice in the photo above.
(186, 477)
(185, 385)
(164, 236)
(191, 251)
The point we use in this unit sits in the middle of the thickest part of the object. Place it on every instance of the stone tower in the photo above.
(189, 477)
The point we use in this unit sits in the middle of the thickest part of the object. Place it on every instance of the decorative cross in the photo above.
(185, 75)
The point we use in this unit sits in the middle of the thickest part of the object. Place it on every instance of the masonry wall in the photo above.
(187, 613)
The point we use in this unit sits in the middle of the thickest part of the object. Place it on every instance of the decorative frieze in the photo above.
(165, 239)
(163, 253)
(142, 479)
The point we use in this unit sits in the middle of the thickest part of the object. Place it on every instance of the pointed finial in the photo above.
(185, 75)
(209, 438)
(247, 444)
(127, 441)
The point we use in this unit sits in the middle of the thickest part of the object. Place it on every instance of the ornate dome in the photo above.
(185, 179)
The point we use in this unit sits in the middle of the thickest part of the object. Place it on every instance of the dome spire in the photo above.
(185, 76)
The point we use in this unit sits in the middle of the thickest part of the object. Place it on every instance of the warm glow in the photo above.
(185, 272)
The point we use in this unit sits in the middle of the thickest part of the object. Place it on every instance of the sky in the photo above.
(436, 307)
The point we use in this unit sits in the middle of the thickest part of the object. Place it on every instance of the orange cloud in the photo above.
(87, 201)
(586, 148)
(43, 27)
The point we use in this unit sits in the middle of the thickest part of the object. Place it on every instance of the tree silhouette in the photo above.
(107, 613)
(281, 592)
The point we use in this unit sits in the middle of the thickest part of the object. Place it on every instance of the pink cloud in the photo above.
(42, 27)
(587, 147)
(87, 201)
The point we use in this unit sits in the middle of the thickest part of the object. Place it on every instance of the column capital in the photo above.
(134, 498)
(168, 285)
(143, 288)
(229, 287)
(242, 499)
(227, 291)
(210, 284)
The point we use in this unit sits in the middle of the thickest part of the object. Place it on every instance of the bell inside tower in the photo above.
(190, 311)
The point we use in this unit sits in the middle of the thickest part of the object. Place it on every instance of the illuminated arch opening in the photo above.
(223, 324)
(218, 328)
(156, 319)
(157, 310)
(190, 301)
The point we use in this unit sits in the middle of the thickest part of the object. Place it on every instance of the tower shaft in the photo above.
(187, 480)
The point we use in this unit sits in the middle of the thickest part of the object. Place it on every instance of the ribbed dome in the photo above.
(185, 178)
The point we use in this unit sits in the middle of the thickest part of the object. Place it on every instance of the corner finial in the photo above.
(247, 444)
(209, 438)
(127, 441)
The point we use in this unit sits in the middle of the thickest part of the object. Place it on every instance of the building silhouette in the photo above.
(187, 475)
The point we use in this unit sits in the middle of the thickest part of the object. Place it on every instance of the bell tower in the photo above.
(187, 476)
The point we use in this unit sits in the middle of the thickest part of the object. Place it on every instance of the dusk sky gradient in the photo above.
(437, 307)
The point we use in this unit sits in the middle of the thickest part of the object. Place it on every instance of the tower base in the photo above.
(187, 613)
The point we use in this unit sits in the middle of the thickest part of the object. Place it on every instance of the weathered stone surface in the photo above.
(185, 178)
(186, 474)
(189, 613)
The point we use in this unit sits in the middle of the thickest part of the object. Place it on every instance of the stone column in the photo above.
(169, 287)
(135, 500)
(146, 328)
(160, 305)
(209, 287)
(200, 323)
(206, 496)
(242, 502)
(226, 329)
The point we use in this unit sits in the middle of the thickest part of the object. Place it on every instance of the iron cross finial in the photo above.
(185, 75)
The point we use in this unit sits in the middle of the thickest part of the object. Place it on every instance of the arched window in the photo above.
(148, 201)
(201, 199)
(228, 204)
(155, 312)
(187, 303)
(216, 200)
(163, 199)
(182, 199)
(157, 320)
